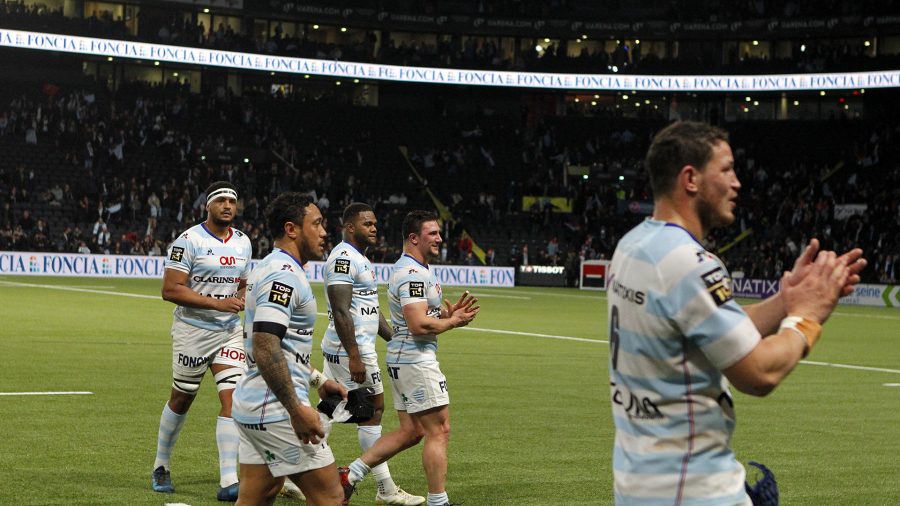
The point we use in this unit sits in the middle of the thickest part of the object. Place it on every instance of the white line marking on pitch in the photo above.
(9, 394)
(872, 316)
(496, 331)
(84, 290)
(892, 384)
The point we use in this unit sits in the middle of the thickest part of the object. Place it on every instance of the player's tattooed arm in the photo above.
(274, 369)
(341, 297)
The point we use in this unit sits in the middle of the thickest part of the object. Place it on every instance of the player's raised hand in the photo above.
(231, 305)
(450, 308)
(855, 263)
(816, 295)
(465, 311)
(803, 263)
(306, 423)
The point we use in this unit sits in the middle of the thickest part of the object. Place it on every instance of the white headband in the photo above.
(221, 192)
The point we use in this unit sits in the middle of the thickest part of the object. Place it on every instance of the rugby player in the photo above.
(280, 433)
(355, 320)
(205, 274)
(677, 338)
(419, 388)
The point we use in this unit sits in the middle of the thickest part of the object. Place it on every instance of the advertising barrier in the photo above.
(593, 274)
(863, 294)
(541, 275)
(133, 266)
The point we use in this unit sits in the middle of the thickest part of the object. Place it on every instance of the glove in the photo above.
(358, 405)
(765, 491)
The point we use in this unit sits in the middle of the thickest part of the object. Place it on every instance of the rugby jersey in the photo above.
(412, 281)
(673, 328)
(347, 266)
(215, 269)
(277, 293)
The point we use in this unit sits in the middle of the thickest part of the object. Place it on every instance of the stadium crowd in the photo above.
(121, 172)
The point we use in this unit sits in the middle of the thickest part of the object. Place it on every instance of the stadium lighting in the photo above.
(315, 27)
(577, 100)
(615, 68)
(356, 81)
(621, 178)
(796, 102)
(206, 10)
(578, 41)
(109, 58)
(862, 91)
(596, 96)
(584, 36)
(174, 74)
(203, 157)
(538, 48)
(747, 99)
(337, 83)
(624, 97)
(546, 40)
(593, 102)
(305, 76)
(755, 42)
(756, 102)
(637, 41)
(271, 73)
(343, 29)
(156, 64)
(822, 93)
(802, 48)
(647, 101)
(846, 107)
(867, 43)
(584, 176)
(637, 104)
(246, 160)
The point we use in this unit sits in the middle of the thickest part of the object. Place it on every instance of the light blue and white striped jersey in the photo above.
(673, 328)
(347, 266)
(278, 296)
(412, 282)
(214, 268)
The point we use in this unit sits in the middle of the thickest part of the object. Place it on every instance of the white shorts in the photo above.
(338, 369)
(277, 446)
(195, 349)
(418, 387)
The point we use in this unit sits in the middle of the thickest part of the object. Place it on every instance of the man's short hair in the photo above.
(290, 206)
(355, 209)
(218, 185)
(412, 222)
(679, 144)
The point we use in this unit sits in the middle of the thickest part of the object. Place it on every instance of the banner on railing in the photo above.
(497, 78)
(134, 266)
(863, 294)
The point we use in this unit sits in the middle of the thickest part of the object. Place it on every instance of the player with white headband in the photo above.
(206, 271)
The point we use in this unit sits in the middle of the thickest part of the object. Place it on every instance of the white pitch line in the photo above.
(480, 295)
(892, 384)
(9, 394)
(84, 290)
(867, 316)
(497, 331)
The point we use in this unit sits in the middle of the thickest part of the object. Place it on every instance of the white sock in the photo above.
(438, 499)
(170, 424)
(367, 435)
(228, 440)
(358, 471)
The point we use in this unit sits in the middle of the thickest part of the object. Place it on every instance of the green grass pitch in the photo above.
(530, 414)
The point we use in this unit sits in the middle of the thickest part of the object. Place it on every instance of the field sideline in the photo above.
(529, 403)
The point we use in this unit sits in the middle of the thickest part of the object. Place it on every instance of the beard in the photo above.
(711, 217)
(221, 222)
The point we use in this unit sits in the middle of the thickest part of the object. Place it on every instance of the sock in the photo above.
(170, 424)
(438, 499)
(358, 471)
(228, 440)
(368, 434)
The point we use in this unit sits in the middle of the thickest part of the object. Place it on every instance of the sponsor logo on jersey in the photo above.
(365, 311)
(280, 294)
(191, 361)
(177, 254)
(227, 260)
(217, 279)
(416, 289)
(718, 284)
(342, 266)
(629, 294)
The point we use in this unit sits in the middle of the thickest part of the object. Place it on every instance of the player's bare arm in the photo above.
(175, 290)
(341, 297)
(384, 329)
(420, 323)
(274, 369)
